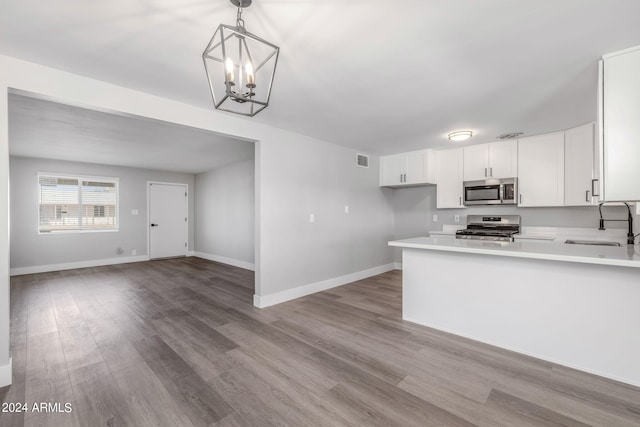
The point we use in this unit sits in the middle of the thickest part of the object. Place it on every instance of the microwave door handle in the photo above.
(501, 193)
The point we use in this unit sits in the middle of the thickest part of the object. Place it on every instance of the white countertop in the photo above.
(549, 234)
(625, 256)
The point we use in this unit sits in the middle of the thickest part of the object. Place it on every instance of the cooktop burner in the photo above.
(490, 227)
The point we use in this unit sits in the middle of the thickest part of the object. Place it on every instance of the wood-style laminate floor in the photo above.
(178, 343)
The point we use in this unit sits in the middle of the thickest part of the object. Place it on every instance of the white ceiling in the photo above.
(45, 129)
(383, 76)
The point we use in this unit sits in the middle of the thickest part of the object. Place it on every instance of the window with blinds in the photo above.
(77, 203)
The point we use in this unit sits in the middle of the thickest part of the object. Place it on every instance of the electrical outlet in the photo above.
(456, 218)
(312, 218)
(346, 209)
(134, 252)
(435, 218)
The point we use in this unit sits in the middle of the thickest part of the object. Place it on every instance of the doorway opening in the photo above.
(55, 136)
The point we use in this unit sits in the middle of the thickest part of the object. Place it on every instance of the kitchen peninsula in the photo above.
(575, 305)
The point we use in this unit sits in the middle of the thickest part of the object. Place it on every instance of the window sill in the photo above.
(56, 232)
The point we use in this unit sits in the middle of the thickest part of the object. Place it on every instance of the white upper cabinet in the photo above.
(503, 159)
(392, 170)
(541, 170)
(580, 179)
(407, 169)
(619, 121)
(476, 162)
(449, 176)
(493, 160)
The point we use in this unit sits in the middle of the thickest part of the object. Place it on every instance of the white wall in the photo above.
(5, 361)
(225, 214)
(30, 249)
(295, 175)
(309, 178)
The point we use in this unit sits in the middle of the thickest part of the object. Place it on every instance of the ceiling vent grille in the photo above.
(362, 160)
(510, 135)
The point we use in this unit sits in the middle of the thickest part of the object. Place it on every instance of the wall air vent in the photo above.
(362, 161)
(510, 135)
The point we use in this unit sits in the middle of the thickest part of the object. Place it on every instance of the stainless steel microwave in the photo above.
(491, 192)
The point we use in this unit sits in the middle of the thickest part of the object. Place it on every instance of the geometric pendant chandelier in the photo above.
(240, 67)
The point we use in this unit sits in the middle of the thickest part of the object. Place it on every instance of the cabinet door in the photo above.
(449, 176)
(579, 167)
(391, 170)
(541, 170)
(476, 162)
(621, 126)
(503, 159)
(415, 168)
(419, 167)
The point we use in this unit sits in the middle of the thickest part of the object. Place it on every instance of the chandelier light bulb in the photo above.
(229, 67)
(250, 76)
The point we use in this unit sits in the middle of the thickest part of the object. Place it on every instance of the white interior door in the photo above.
(167, 220)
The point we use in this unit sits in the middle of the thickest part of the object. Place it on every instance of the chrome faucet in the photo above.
(630, 236)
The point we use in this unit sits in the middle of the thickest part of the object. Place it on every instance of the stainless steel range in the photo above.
(490, 227)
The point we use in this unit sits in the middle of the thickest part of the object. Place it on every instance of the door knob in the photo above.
(154, 225)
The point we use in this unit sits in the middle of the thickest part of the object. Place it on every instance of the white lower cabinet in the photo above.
(449, 177)
(541, 170)
(580, 179)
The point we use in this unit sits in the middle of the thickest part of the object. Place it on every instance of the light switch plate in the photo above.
(134, 211)
(456, 218)
(312, 218)
(346, 209)
(435, 218)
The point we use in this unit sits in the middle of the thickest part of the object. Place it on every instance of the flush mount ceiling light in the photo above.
(460, 135)
(240, 67)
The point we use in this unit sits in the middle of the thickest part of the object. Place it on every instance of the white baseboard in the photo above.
(191, 253)
(6, 374)
(397, 265)
(225, 260)
(73, 265)
(262, 301)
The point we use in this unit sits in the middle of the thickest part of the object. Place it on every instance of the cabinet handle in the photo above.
(593, 189)
(460, 201)
(401, 178)
(491, 172)
(485, 172)
(587, 196)
(520, 202)
(405, 177)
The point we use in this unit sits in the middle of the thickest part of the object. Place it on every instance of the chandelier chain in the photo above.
(239, 20)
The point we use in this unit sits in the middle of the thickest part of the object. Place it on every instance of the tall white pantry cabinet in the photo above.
(619, 125)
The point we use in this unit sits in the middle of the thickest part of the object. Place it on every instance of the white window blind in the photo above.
(77, 203)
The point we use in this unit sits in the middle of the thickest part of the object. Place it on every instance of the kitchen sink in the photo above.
(592, 242)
